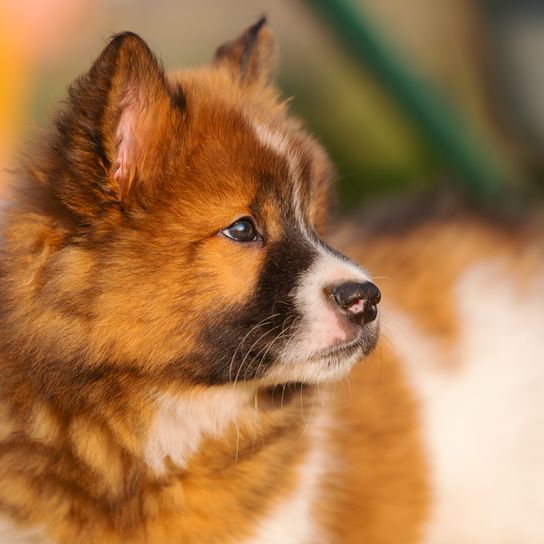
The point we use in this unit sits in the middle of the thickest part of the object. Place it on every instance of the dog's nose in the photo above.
(358, 301)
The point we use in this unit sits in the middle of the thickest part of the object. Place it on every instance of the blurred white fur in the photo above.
(483, 410)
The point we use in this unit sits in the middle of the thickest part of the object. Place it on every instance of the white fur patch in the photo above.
(273, 140)
(483, 415)
(11, 534)
(324, 369)
(181, 422)
(279, 143)
(292, 521)
(321, 326)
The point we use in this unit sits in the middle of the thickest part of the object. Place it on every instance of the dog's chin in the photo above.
(327, 365)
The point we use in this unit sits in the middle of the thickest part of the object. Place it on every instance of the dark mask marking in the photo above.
(241, 343)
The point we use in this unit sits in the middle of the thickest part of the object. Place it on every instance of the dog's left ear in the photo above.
(252, 56)
(115, 134)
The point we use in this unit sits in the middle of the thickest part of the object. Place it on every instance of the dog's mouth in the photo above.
(325, 364)
(361, 345)
(339, 351)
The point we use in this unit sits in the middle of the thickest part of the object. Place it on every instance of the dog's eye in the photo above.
(242, 231)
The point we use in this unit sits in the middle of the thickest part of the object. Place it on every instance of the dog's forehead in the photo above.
(258, 161)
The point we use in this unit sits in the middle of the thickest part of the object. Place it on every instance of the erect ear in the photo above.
(121, 114)
(252, 56)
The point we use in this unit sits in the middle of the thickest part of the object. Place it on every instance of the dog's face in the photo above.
(191, 212)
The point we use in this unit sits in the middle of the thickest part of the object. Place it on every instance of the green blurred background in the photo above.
(475, 65)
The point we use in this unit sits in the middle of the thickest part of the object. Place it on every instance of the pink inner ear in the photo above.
(128, 141)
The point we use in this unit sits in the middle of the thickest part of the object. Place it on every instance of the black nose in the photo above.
(358, 301)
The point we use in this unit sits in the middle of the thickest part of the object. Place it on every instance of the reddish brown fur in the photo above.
(74, 428)
(380, 492)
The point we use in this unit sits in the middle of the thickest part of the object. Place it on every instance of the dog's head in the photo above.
(187, 211)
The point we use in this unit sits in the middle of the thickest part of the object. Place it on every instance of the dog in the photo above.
(463, 305)
(184, 358)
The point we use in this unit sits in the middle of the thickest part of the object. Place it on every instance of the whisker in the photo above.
(237, 439)
(241, 343)
(281, 401)
(248, 352)
(269, 346)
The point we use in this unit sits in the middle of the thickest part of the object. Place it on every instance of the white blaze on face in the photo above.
(275, 141)
(320, 326)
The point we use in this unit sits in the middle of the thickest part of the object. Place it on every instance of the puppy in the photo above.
(171, 323)
(167, 305)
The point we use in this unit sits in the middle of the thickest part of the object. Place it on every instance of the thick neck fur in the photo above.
(141, 464)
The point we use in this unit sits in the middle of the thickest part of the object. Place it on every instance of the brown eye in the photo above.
(242, 231)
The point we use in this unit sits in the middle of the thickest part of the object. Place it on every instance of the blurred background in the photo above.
(406, 95)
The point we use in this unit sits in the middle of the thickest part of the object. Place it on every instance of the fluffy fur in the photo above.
(158, 372)
(164, 383)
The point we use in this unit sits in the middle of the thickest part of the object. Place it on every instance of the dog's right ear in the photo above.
(252, 56)
(118, 124)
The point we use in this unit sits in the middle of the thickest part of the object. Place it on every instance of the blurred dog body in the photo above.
(174, 332)
(463, 310)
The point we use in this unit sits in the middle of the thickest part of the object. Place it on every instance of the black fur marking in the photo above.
(251, 39)
(239, 339)
(178, 98)
(269, 190)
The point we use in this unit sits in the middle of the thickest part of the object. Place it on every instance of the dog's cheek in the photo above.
(221, 277)
(232, 270)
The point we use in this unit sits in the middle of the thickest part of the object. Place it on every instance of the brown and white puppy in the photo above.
(171, 318)
(166, 301)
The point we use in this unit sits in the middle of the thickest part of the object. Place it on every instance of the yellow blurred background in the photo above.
(481, 57)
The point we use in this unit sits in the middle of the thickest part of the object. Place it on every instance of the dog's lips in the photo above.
(362, 342)
(345, 348)
(338, 353)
